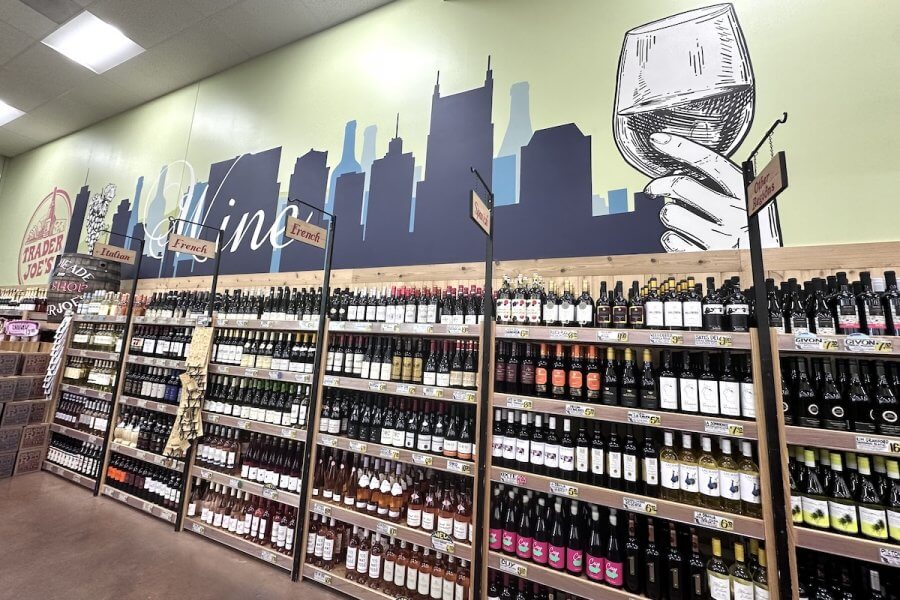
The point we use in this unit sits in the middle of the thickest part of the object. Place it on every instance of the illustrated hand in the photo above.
(698, 217)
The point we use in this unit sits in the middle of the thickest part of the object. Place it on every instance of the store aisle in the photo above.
(58, 541)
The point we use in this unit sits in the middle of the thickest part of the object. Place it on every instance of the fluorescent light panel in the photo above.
(93, 43)
(9, 113)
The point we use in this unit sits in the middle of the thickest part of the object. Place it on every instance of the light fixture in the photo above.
(93, 43)
(9, 113)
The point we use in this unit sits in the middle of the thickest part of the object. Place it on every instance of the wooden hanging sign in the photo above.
(115, 253)
(191, 245)
(307, 233)
(481, 214)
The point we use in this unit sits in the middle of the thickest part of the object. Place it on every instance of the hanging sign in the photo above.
(114, 253)
(191, 245)
(22, 328)
(480, 213)
(770, 182)
(304, 232)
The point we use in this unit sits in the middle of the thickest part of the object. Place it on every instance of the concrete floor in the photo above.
(58, 541)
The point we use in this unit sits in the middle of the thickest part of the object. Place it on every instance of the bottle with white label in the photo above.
(668, 383)
(717, 575)
(708, 471)
(689, 475)
(729, 478)
(741, 579)
(670, 470)
(687, 386)
(751, 494)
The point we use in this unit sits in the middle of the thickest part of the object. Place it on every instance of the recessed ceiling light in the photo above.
(9, 113)
(92, 42)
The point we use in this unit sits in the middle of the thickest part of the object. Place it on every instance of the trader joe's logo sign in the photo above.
(44, 236)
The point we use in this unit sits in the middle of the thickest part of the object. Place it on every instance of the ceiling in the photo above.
(185, 40)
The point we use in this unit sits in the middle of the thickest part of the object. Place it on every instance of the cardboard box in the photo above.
(35, 436)
(28, 461)
(7, 464)
(37, 387)
(7, 389)
(34, 363)
(40, 412)
(9, 363)
(9, 438)
(15, 414)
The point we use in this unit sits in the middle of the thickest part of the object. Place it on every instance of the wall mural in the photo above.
(684, 102)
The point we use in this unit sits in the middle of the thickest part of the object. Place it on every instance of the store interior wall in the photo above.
(541, 124)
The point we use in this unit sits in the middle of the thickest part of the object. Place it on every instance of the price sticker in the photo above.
(141, 403)
(357, 447)
(459, 467)
(276, 375)
(520, 403)
(809, 341)
(321, 509)
(457, 329)
(241, 322)
(390, 327)
(433, 392)
(198, 528)
(214, 418)
(723, 428)
(613, 337)
(641, 506)
(713, 340)
(889, 556)
(860, 342)
(705, 519)
(362, 327)
(336, 326)
(516, 332)
(204, 474)
(464, 396)
(251, 372)
(306, 324)
(422, 459)
(642, 418)
(321, 577)
(423, 328)
(514, 568)
(386, 529)
(391, 453)
(223, 369)
(563, 334)
(668, 339)
(376, 386)
(331, 380)
(140, 455)
(578, 410)
(234, 483)
(405, 388)
(875, 444)
(328, 440)
(265, 324)
(270, 493)
(512, 478)
(302, 378)
(562, 489)
(243, 424)
(289, 433)
(148, 507)
(268, 556)
(442, 542)
(76, 478)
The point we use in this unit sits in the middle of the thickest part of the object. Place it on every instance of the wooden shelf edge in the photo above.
(169, 409)
(662, 338)
(83, 436)
(848, 441)
(423, 459)
(846, 546)
(147, 456)
(290, 433)
(336, 580)
(239, 544)
(245, 485)
(86, 392)
(407, 390)
(76, 478)
(254, 373)
(150, 508)
(420, 329)
(298, 325)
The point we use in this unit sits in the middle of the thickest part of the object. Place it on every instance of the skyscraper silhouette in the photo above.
(390, 191)
(347, 164)
(76, 224)
(156, 212)
(348, 241)
(135, 212)
(307, 183)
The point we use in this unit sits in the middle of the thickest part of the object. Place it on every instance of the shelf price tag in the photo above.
(386, 529)
(433, 392)
(302, 378)
(889, 556)
(362, 327)
(331, 380)
(266, 324)
(243, 424)
(328, 440)
(615, 337)
(514, 568)
(442, 542)
(642, 506)
(563, 334)
(459, 467)
(270, 493)
(520, 403)
(355, 446)
(306, 324)
(251, 372)
(457, 329)
(860, 342)
(705, 519)
(577, 410)
(213, 418)
(289, 433)
(668, 339)
(519, 332)
(512, 478)
(712, 340)
(321, 509)
(562, 489)
(872, 444)
(322, 578)
(422, 328)
(336, 326)
(268, 556)
(422, 459)
(642, 418)
(377, 386)
(198, 528)
(204, 474)
(809, 341)
(723, 428)
(234, 483)
(147, 507)
(464, 396)
(391, 453)
(405, 388)
(390, 327)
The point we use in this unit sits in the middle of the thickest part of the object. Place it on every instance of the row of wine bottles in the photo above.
(33, 299)
(146, 430)
(104, 303)
(171, 304)
(80, 412)
(163, 342)
(707, 383)
(75, 455)
(100, 375)
(829, 577)
(446, 363)
(276, 403)
(92, 336)
(855, 500)
(265, 522)
(265, 459)
(158, 384)
(264, 350)
(144, 480)
(420, 498)
(504, 586)
(450, 306)
(862, 396)
(444, 429)
(280, 304)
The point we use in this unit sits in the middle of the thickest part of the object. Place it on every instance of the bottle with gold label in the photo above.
(892, 500)
(872, 516)
(751, 493)
(841, 507)
(761, 578)
(741, 579)
(815, 504)
(708, 471)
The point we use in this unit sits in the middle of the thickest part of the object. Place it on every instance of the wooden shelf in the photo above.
(881, 552)
(240, 544)
(275, 324)
(336, 579)
(173, 321)
(848, 441)
(169, 409)
(85, 391)
(98, 318)
(77, 478)
(619, 414)
(291, 433)
(239, 483)
(560, 580)
(857, 344)
(93, 354)
(270, 374)
(409, 390)
(155, 361)
(693, 340)
(84, 436)
(150, 457)
(388, 528)
(419, 329)
(133, 501)
(423, 459)
(663, 509)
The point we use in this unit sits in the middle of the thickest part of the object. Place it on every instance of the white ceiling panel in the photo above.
(12, 41)
(147, 23)
(106, 95)
(25, 19)
(210, 7)
(38, 75)
(13, 143)
(54, 119)
(262, 26)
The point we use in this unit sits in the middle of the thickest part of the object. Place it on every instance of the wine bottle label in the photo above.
(750, 491)
(742, 589)
(672, 314)
(495, 539)
(574, 561)
(596, 565)
(709, 482)
(689, 400)
(509, 448)
(668, 393)
(671, 475)
(566, 312)
(748, 401)
(873, 522)
(539, 551)
(523, 451)
(533, 311)
(719, 586)
(504, 310)
(443, 379)
(584, 313)
(689, 476)
(598, 461)
(566, 459)
(893, 523)
(651, 471)
(582, 459)
(374, 566)
(388, 574)
(730, 398)
(328, 550)
(636, 315)
(629, 470)
(551, 456)
(614, 464)
(796, 509)
(729, 484)
(654, 313)
(760, 592)
(536, 456)
(556, 556)
(362, 561)
(550, 312)
(843, 516)
(424, 584)
(414, 517)
(412, 579)
(815, 512)
(692, 313)
(427, 521)
(708, 391)
(399, 576)
(614, 573)
(848, 317)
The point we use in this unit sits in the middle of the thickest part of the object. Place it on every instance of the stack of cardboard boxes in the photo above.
(24, 412)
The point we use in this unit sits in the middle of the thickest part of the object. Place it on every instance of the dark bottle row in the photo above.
(276, 403)
(504, 586)
(146, 481)
(171, 304)
(158, 384)
(293, 352)
(143, 429)
(276, 304)
(75, 455)
(450, 306)
(83, 413)
(830, 577)
(163, 342)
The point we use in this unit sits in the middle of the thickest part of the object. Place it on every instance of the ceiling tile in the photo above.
(336, 11)
(262, 26)
(53, 120)
(12, 143)
(12, 41)
(211, 7)
(25, 18)
(147, 23)
(58, 11)
(39, 74)
(108, 97)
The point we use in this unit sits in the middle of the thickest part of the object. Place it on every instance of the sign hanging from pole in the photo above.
(481, 214)
(191, 245)
(770, 182)
(115, 253)
(307, 233)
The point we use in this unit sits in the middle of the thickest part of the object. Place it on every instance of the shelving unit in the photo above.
(76, 478)
(220, 536)
(662, 338)
(580, 586)
(133, 501)
(336, 579)
(880, 552)
(408, 390)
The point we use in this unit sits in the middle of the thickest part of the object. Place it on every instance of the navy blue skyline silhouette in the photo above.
(386, 218)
